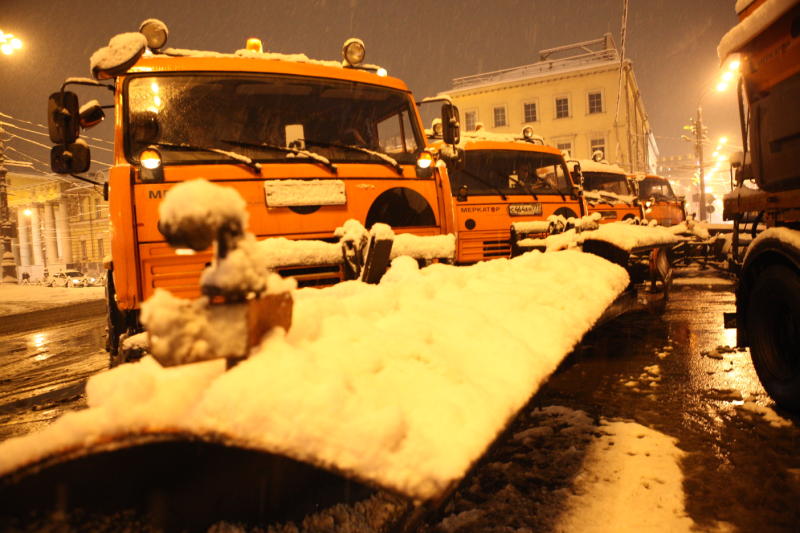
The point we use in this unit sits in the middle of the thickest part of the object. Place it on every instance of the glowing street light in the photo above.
(9, 43)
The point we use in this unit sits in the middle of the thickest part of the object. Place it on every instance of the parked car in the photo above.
(68, 278)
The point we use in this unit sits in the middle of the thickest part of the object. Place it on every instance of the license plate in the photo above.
(288, 193)
(519, 210)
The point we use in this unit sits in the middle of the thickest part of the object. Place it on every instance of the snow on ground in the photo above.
(15, 299)
(404, 383)
(631, 480)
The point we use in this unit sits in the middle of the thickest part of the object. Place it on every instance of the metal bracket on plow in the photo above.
(367, 258)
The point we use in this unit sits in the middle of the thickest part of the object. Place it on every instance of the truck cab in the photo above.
(766, 47)
(499, 182)
(658, 200)
(607, 191)
(308, 144)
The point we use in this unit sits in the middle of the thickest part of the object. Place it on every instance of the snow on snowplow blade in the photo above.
(349, 389)
(174, 482)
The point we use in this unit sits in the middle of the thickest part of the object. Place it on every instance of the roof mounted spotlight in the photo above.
(156, 33)
(527, 133)
(254, 45)
(353, 52)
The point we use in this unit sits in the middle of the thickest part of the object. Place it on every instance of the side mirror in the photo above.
(91, 114)
(70, 158)
(63, 117)
(451, 124)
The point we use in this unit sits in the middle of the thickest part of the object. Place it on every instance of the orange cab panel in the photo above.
(499, 183)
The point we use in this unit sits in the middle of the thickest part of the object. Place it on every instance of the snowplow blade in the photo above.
(174, 482)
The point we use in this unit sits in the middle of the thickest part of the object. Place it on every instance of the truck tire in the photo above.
(772, 321)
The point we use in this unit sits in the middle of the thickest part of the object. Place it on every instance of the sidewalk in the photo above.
(18, 299)
(27, 307)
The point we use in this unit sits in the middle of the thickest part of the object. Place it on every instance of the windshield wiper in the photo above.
(389, 160)
(230, 155)
(486, 182)
(524, 186)
(322, 160)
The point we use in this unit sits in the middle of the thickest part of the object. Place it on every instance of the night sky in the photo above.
(672, 44)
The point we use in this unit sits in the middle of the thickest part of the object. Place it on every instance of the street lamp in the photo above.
(9, 43)
(8, 266)
(728, 75)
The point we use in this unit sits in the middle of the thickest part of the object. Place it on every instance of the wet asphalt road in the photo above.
(43, 371)
(741, 473)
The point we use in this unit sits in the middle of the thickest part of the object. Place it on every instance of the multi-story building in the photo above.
(60, 225)
(580, 98)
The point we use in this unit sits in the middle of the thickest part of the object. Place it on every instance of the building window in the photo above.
(500, 116)
(595, 102)
(562, 107)
(529, 112)
(470, 119)
(597, 143)
(84, 254)
(100, 249)
(565, 147)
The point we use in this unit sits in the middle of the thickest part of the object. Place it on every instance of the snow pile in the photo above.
(588, 165)
(632, 479)
(754, 24)
(280, 251)
(769, 415)
(483, 135)
(404, 383)
(201, 203)
(692, 226)
(424, 247)
(121, 49)
(594, 197)
(621, 234)
(246, 269)
(630, 236)
(787, 236)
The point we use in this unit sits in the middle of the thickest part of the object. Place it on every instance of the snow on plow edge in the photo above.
(404, 383)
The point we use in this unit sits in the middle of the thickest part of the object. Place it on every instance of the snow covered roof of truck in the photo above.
(752, 25)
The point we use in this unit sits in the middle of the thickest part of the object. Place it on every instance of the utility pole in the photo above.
(700, 137)
(7, 226)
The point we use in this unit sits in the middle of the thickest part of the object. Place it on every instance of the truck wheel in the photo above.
(773, 329)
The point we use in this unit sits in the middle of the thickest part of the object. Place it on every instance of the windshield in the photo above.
(257, 115)
(658, 189)
(606, 182)
(73, 274)
(511, 172)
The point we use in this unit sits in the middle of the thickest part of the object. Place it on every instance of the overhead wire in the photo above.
(9, 125)
(5, 115)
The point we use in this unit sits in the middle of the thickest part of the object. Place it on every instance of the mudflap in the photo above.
(178, 482)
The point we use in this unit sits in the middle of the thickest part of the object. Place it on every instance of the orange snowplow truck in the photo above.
(308, 144)
(504, 189)
(658, 200)
(607, 190)
(766, 46)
